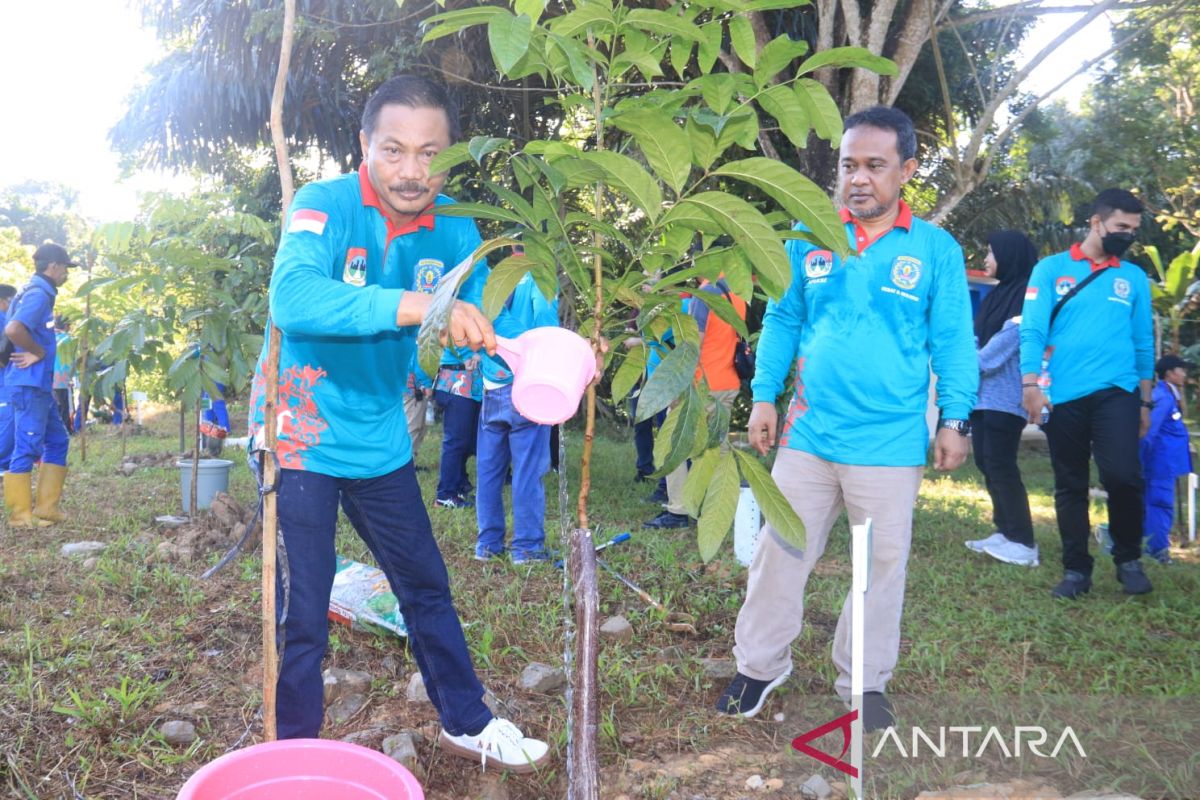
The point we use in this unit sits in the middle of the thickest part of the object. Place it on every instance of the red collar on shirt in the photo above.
(903, 220)
(1078, 254)
(370, 198)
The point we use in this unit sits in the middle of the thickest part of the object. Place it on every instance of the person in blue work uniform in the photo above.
(507, 438)
(1165, 455)
(7, 293)
(1087, 356)
(855, 438)
(341, 294)
(38, 430)
(417, 392)
(999, 419)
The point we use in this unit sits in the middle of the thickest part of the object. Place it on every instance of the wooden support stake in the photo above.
(584, 780)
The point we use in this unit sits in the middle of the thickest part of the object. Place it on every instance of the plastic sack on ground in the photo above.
(362, 599)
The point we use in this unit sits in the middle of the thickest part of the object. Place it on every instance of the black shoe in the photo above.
(668, 520)
(659, 496)
(1132, 579)
(456, 501)
(1072, 585)
(877, 712)
(744, 696)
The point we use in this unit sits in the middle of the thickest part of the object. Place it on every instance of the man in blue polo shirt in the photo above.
(855, 438)
(38, 430)
(342, 294)
(6, 429)
(1091, 364)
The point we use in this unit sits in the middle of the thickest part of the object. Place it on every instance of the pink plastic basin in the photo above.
(303, 769)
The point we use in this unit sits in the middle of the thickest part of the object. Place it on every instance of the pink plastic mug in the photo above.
(552, 368)
(303, 769)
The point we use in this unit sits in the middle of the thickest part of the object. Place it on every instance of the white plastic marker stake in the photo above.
(1193, 481)
(860, 560)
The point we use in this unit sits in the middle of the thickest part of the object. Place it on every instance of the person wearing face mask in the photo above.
(998, 418)
(1087, 356)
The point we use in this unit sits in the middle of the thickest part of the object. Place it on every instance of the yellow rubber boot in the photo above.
(51, 478)
(18, 499)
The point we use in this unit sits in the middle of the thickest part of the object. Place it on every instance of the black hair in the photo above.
(887, 118)
(7, 292)
(1111, 200)
(413, 91)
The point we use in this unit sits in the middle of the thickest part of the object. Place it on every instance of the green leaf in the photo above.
(741, 34)
(627, 175)
(632, 370)
(1179, 275)
(775, 508)
(848, 57)
(698, 478)
(741, 129)
(480, 146)
(822, 111)
(718, 423)
(799, 196)
(782, 104)
(777, 54)
(596, 17)
(530, 8)
(718, 305)
(479, 211)
(670, 379)
(452, 22)
(509, 38)
(703, 144)
(576, 57)
(503, 279)
(674, 440)
(660, 22)
(720, 505)
(748, 228)
(661, 141)
(681, 54)
(710, 45)
(717, 91)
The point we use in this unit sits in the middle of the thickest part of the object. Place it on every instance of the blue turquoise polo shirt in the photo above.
(862, 333)
(35, 310)
(340, 272)
(1103, 337)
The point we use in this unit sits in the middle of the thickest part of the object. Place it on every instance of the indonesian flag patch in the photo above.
(1031, 293)
(306, 219)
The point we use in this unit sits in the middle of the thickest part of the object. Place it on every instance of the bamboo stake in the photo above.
(271, 395)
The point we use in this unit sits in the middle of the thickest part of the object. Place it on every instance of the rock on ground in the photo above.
(617, 628)
(416, 689)
(81, 549)
(341, 682)
(543, 678)
(178, 732)
(816, 788)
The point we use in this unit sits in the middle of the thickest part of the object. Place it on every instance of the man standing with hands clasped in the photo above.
(856, 438)
(1087, 357)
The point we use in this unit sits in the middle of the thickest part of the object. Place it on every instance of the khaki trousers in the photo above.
(772, 614)
(414, 411)
(678, 476)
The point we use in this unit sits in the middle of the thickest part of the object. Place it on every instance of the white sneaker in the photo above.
(502, 743)
(978, 544)
(1011, 552)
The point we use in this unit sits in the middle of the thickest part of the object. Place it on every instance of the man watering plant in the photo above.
(38, 430)
(855, 437)
(341, 294)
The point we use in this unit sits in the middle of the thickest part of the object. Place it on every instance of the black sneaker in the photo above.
(1132, 579)
(744, 697)
(457, 501)
(877, 712)
(1073, 585)
(668, 520)
(659, 496)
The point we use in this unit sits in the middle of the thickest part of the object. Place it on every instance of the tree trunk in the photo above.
(584, 778)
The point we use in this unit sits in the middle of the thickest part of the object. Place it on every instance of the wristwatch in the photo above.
(960, 426)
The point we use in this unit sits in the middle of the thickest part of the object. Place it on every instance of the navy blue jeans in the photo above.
(507, 437)
(38, 430)
(460, 417)
(388, 514)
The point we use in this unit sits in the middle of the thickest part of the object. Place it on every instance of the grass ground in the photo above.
(95, 659)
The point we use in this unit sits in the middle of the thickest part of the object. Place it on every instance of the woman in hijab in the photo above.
(998, 418)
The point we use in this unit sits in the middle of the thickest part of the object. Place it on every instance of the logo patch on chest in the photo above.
(818, 263)
(906, 272)
(1121, 288)
(1063, 285)
(355, 271)
(429, 272)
